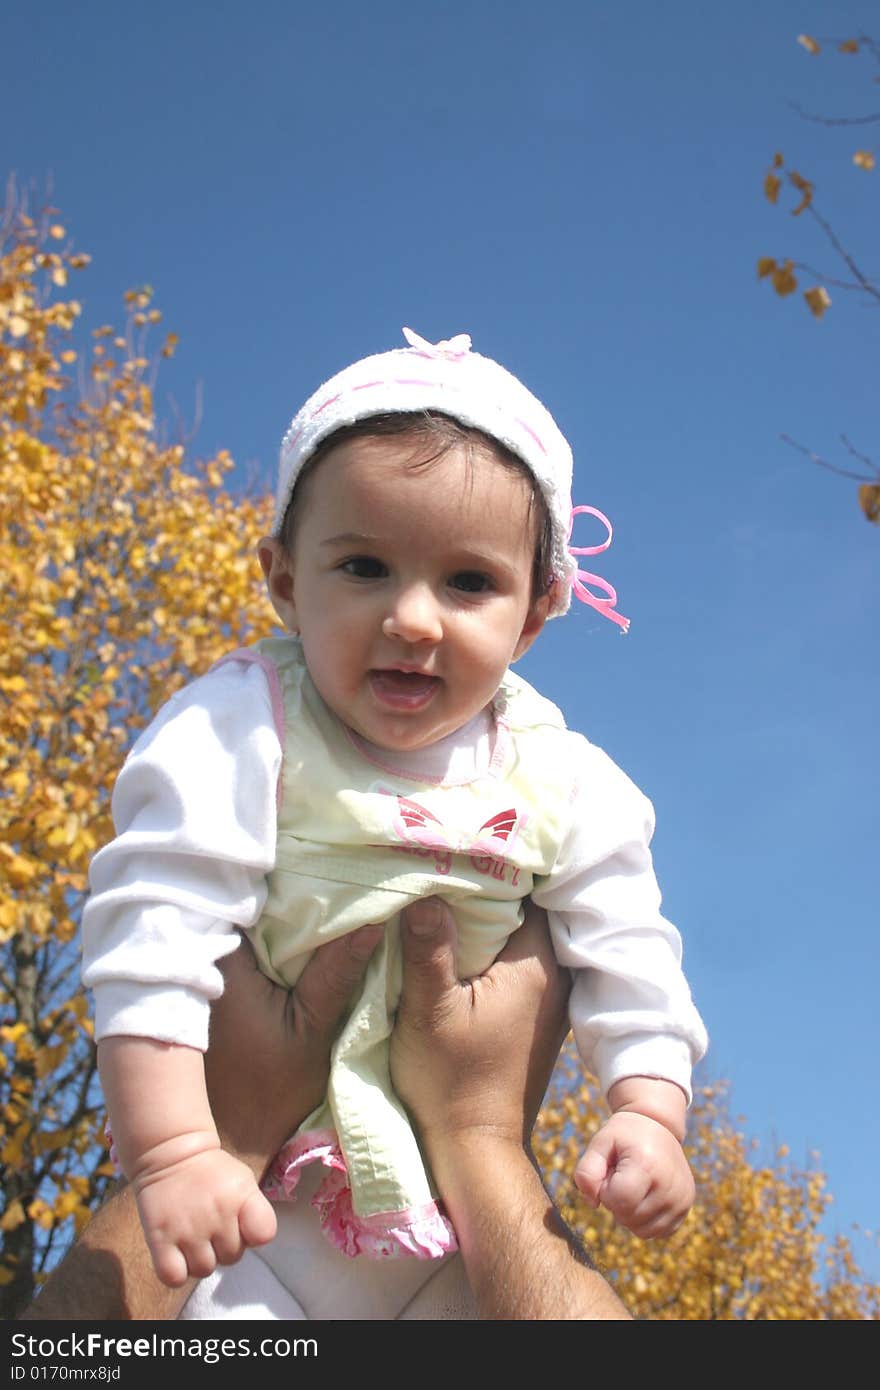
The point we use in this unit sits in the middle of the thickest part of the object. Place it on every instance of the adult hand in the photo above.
(476, 1054)
(472, 1060)
(269, 1056)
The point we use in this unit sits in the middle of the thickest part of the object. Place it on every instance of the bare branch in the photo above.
(865, 284)
(825, 278)
(862, 458)
(872, 119)
(823, 463)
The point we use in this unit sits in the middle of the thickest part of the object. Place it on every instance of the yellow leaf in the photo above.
(784, 281)
(66, 1203)
(869, 501)
(59, 275)
(48, 1059)
(772, 185)
(818, 299)
(57, 231)
(806, 190)
(17, 326)
(79, 1006)
(809, 44)
(40, 1212)
(766, 266)
(19, 870)
(849, 46)
(864, 159)
(12, 1217)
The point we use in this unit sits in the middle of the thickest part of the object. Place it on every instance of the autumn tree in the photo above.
(845, 271)
(752, 1246)
(127, 569)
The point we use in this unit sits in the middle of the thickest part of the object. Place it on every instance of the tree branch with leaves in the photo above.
(848, 275)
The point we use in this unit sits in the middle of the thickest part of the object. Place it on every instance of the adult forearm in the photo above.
(522, 1261)
(108, 1275)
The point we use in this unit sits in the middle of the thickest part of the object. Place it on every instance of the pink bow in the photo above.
(582, 578)
(453, 349)
(416, 825)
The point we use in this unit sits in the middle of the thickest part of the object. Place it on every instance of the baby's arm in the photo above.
(194, 810)
(631, 1009)
(635, 1166)
(198, 1205)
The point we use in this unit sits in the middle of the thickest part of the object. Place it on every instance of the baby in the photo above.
(379, 752)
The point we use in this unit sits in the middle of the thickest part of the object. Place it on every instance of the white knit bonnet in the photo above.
(476, 391)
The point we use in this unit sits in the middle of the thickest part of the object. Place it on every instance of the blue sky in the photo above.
(578, 186)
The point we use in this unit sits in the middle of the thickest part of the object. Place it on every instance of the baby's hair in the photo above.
(441, 433)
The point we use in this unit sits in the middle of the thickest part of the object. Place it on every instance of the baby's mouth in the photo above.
(403, 689)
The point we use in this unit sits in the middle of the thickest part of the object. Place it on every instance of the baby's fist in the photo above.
(203, 1211)
(637, 1170)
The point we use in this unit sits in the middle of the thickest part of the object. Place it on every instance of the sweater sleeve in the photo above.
(194, 814)
(631, 1007)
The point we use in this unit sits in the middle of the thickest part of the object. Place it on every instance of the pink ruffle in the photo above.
(319, 1146)
(423, 1232)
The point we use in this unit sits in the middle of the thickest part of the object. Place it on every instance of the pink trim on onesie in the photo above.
(252, 658)
(420, 1231)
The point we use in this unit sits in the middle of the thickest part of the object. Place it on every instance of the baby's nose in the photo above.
(414, 616)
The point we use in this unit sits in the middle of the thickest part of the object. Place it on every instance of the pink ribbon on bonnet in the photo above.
(605, 606)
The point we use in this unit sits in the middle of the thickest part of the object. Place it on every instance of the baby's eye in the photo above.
(471, 582)
(364, 567)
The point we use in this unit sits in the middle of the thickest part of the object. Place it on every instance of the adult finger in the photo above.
(428, 941)
(532, 945)
(325, 987)
(530, 960)
(540, 988)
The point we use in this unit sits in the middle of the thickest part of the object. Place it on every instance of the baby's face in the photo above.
(410, 588)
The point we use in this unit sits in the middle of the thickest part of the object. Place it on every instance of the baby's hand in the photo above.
(198, 1211)
(637, 1170)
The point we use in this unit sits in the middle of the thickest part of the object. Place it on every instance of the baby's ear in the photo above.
(277, 566)
(537, 617)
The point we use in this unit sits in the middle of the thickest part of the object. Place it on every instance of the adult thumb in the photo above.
(428, 940)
